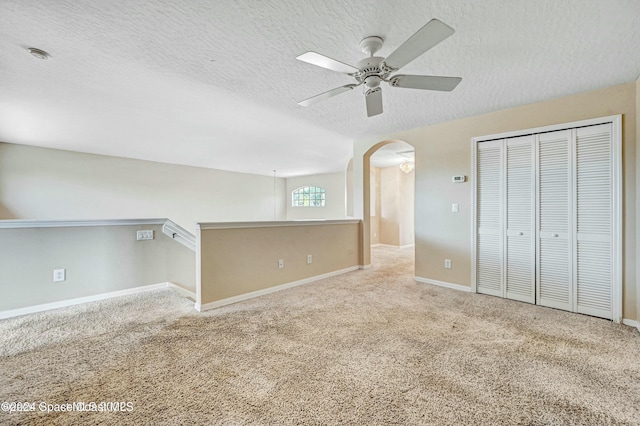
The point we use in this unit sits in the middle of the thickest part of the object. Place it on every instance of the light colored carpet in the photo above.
(368, 347)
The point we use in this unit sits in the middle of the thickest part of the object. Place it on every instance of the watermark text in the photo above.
(81, 406)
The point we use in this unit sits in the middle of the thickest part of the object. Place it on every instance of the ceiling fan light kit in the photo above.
(373, 70)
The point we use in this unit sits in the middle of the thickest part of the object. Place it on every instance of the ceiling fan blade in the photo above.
(428, 36)
(317, 59)
(425, 82)
(326, 95)
(374, 102)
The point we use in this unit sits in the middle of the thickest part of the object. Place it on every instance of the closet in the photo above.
(548, 214)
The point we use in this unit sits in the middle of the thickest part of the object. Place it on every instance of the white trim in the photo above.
(458, 287)
(258, 293)
(572, 220)
(70, 302)
(631, 323)
(618, 253)
(550, 128)
(474, 217)
(365, 267)
(272, 224)
(503, 217)
(13, 224)
(182, 291)
(178, 233)
(198, 267)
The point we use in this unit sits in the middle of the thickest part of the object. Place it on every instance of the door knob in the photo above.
(555, 235)
(520, 233)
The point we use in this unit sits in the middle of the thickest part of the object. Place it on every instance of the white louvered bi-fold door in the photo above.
(548, 218)
(489, 204)
(520, 230)
(554, 260)
(594, 220)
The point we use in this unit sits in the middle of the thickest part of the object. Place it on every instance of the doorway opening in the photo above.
(389, 194)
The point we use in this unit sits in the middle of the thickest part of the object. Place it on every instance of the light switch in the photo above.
(455, 208)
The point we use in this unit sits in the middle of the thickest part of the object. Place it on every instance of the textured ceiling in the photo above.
(215, 83)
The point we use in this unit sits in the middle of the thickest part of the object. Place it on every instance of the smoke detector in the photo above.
(39, 53)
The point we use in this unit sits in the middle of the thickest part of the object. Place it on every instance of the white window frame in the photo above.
(324, 193)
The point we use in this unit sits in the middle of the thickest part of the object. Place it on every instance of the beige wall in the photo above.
(349, 188)
(40, 183)
(236, 261)
(392, 206)
(396, 206)
(374, 199)
(444, 150)
(335, 203)
(97, 260)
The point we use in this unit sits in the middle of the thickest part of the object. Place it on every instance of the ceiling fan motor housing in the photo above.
(371, 73)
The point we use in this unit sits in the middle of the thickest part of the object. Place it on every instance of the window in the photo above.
(308, 196)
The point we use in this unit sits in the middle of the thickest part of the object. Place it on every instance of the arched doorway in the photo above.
(395, 152)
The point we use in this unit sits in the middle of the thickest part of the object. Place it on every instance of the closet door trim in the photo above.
(616, 140)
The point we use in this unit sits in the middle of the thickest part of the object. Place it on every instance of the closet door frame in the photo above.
(616, 141)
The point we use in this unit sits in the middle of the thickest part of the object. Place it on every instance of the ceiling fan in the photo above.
(373, 70)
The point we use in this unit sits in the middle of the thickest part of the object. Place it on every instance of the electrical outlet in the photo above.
(59, 275)
(309, 259)
(447, 263)
(144, 235)
(280, 263)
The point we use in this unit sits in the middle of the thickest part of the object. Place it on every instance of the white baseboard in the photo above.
(70, 302)
(258, 293)
(183, 291)
(443, 284)
(631, 323)
(365, 266)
